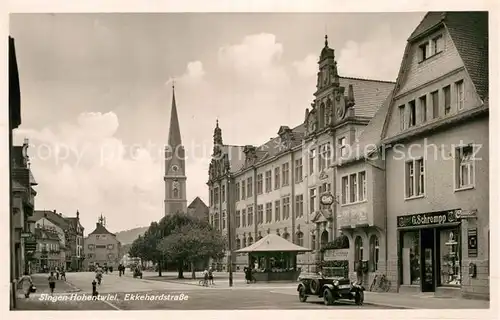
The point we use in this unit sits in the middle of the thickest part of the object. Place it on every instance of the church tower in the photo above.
(175, 166)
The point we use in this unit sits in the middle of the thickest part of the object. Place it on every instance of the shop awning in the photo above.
(273, 243)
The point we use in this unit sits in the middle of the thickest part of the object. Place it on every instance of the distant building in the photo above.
(50, 252)
(102, 247)
(70, 234)
(198, 209)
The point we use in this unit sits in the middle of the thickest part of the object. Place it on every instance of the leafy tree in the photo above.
(192, 242)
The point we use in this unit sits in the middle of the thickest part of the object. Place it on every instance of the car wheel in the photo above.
(328, 297)
(314, 286)
(302, 294)
(359, 298)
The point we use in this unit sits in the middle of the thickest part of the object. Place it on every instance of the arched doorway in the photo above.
(324, 238)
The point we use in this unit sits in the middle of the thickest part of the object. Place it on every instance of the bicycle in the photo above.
(203, 283)
(380, 283)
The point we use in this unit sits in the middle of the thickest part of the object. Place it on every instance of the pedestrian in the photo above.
(248, 274)
(27, 284)
(211, 275)
(205, 278)
(52, 282)
(63, 274)
(359, 272)
(94, 289)
(57, 273)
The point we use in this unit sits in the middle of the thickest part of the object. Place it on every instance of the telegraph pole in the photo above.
(229, 229)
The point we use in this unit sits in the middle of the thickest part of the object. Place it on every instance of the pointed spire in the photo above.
(174, 134)
(217, 137)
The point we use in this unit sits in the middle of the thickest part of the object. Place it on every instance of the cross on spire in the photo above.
(326, 40)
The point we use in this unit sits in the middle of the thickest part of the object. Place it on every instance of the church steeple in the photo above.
(174, 133)
(217, 138)
(175, 166)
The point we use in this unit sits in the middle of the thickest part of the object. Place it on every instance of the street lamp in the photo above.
(229, 229)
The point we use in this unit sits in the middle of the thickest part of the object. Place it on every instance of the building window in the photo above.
(243, 217)
(223, 193)
(286, 208)
(437, 45)
(423, 51)
(464, 167)
(298, 170)
(223, 220)
(345, 189)
(299, 239)
(353, 187)
(277, 214)
(415, 178)
(238, 191)
(402, 125)
(358, 249)
(269, 212)
(450, 257)
(243, 190)
(249, 187)
(312, 160)
(459, 89)
(423, 109)
(260, 183)
(362, 186)
(447, 99)
(260, 214)
(276, 178)
(374, 252)
(313, 242)
(268, 181)
(312, 200)
(343, 147)
(250, 216)
(412, 119)
(435, 104)
(238, 218)
(324, 156)
(410, 257)
(299, 205)
(285, 168)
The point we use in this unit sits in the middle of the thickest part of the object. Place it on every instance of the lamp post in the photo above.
(229, 229)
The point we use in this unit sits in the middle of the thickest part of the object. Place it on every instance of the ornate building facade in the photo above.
(275, 187)
(102, 247)
(175, 166)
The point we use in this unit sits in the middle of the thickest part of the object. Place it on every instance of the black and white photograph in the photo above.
(319, 161)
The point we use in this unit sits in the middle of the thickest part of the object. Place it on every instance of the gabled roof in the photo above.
(273, 243)
(368, 94)
(55, 218)
(197, 202)
(100, 229)
(469, 32)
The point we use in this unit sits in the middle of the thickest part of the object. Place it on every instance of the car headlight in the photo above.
(335, 283)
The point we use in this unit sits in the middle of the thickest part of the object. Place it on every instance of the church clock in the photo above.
(175, 168)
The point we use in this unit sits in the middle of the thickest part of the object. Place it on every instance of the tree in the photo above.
(192, 242)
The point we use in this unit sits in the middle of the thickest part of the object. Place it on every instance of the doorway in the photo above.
(428, 260)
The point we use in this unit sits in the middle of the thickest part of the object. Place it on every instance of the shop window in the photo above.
(411, 258)
(358, 249)
(450, 249)
(374, 252)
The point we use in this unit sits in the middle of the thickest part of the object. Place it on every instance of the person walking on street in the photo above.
(63, 274)
(52, 282)
(27, 283)
(211, 275)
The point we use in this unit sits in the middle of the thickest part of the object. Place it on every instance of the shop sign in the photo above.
(428, 219)
(472, 242)
(336, 254)
(467, 214)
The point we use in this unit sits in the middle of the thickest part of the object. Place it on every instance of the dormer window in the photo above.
(423, 51)
(430, 48)
(437, 45)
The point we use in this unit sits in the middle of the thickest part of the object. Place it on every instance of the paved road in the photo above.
(124, 293)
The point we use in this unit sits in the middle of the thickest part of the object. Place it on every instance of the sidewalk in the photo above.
(422, 301)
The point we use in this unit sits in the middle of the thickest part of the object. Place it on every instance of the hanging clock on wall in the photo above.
(175, 168)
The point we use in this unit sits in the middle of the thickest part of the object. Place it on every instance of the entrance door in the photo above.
(428, 263)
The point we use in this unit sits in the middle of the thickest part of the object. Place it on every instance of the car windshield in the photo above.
(333, 272)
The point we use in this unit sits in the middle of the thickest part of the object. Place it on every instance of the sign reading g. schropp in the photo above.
(431, 218)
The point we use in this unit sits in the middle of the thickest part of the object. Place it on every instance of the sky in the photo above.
(96, 94)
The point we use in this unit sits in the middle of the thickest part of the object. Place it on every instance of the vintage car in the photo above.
(331, 286)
